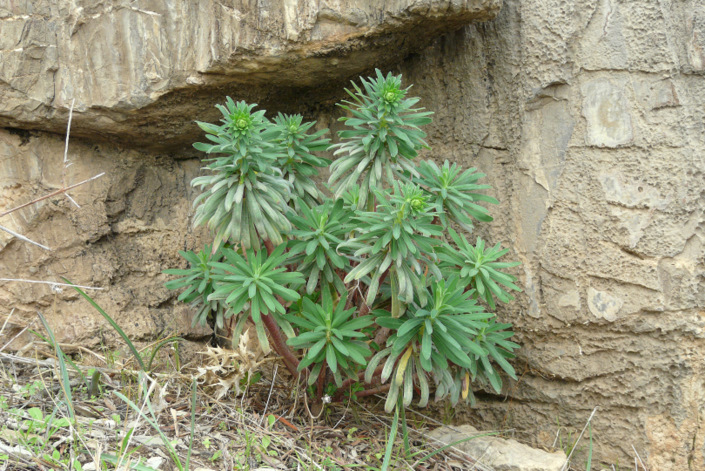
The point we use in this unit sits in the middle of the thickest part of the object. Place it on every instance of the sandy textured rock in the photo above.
(132, 222)
(141, 70)
(592, 134)
(498, 454)
(609, 123)
(586, 115)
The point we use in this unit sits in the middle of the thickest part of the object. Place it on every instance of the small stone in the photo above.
(154, 462)
(497, 453)
(195, 80)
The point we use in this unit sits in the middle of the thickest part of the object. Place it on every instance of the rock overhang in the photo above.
(140, 75)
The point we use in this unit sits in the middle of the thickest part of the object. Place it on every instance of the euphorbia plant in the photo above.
(367, 285)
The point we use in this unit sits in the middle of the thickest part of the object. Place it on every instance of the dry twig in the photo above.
(53, 193)
(21, 237)
(52, 283)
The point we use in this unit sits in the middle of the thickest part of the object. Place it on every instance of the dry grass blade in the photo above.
(21, 237)
(575, 446)
(7, 319)
(51, 283)
(67, 164)
(266, 406)
(152, 419)
(68, 134)
(16, 336)
(639, 457)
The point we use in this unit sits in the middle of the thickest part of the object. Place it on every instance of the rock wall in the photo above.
(587, 116)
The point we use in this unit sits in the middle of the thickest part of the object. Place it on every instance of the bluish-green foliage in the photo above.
(337, 269)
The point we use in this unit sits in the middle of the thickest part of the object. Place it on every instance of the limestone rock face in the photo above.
(117, 59)
(586, 115)
(589, 118)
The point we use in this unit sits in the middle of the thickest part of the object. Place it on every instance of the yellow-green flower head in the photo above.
(241, 121)
(418, 204)
(415, 199)
(389, 91)
(391, 94)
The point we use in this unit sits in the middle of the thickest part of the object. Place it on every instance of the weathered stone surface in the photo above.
(119, 59)
(598, 218)
(497, 453)
(594, 144)
(607, 113)
(621, 38)
(132, 223)
(603, 305)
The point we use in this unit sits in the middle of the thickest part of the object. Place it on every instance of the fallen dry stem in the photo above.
(21, 237)
(575, 446)
(67, 164)
(20, 333)
(52, 283)
(7, 319)
(53, 193)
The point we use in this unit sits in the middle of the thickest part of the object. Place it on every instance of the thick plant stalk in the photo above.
(376, 390)
(382, 335)
(290, 360)
(269, 246)
(280, 346)
(321, 384)
(397, 309)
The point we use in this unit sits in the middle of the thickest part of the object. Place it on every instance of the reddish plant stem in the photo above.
(372, 388)
(269, 246)
(383, 277)
(280, 346)
(278, 340)
(360, 377)
(365, 309)
(376, 390)
(382, 335)
(322, 377)
(349, 302)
